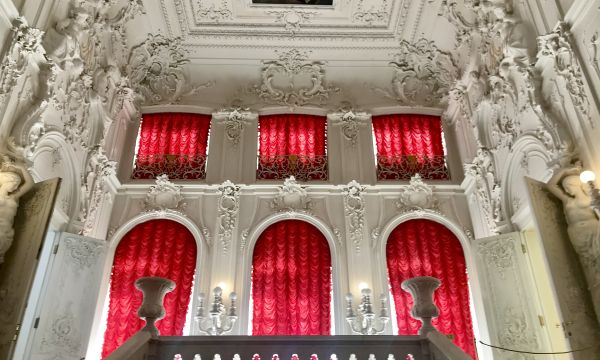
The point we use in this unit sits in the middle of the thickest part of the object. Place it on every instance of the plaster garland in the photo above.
(354, 208)
(229, 205)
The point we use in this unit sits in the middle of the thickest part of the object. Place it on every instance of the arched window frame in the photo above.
(338, 322)
(480, 327)
(201, 278)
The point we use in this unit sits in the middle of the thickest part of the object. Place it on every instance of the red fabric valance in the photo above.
(291, 281)
(162, 248)
(426, 248)
(172, 143)
(408, 134)
(409, 144)
(292, 134)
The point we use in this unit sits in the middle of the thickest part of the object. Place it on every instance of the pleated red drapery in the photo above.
(291, 142)
(162, 248)
(427, 248)
(400, 137)
(172, 141)
(292, 134)
(291, 281)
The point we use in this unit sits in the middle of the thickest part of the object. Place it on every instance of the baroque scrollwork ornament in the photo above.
(229, 205)
(304, 81)
(423, 75)
(156, 69)
(351, 122)
(487, 187)
(292, 196)
(417, 196)
(292, 19)
(235, 120)
(354, 208)
(163, 196)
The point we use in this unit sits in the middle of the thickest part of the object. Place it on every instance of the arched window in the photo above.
(174, 144)
(291, 281)
(426, 248)
(408, 144)
(162, 248)
(292, 145)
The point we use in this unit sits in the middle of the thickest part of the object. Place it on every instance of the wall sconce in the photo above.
(588, 177)
(367, 323)
(219, 321)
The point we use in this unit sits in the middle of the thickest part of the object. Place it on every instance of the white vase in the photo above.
(422, 288)
(152, 309)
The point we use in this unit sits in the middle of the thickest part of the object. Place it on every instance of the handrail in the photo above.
(302, 167)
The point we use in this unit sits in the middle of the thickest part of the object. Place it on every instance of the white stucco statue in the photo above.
(583, 226)
(14, 182)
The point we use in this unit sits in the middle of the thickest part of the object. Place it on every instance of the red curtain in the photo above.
(292, 134)
(184, 136)
(400, 136)
(162, 248)
(291, 281)
(426, 248)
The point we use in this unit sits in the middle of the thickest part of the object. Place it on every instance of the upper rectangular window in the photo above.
(408, 144)
(174, 144)
(292, 145)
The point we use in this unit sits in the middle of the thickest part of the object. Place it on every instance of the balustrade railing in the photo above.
(428, 345)
(302, 167)
(406, 166)
(177, 167)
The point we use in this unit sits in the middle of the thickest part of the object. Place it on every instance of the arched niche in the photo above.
(480, 328)
(53, 157)
(201, 277)
(246, 266)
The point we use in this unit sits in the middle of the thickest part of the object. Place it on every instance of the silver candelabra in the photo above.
(219, 321)
(366, 322)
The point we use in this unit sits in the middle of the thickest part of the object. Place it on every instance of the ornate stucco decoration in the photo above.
(235, 121)
(354, 208)
(26, 43)
(516, 332)
(375, 13)
(292, 19)
(375, 236)
(84, 253)
(93, 187)
(423, 75)
(156, 70)
(293, 80)
(488, 189)
(165, 195)
(499, 253)
(417, 196)
(214, 13)
(229, 205)
(89, 48)
(556, 59)
(292, 197)
(351, 122)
